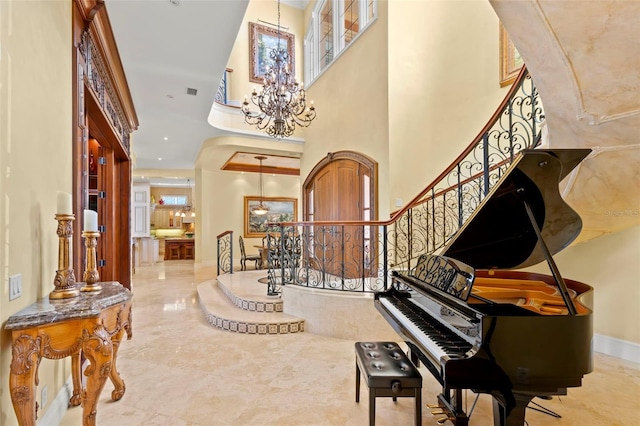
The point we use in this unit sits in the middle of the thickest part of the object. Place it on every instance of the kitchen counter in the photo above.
(179, 248)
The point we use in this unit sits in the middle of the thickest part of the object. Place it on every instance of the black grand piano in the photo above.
(478, 324)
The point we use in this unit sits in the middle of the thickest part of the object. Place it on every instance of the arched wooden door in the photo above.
(342, 187)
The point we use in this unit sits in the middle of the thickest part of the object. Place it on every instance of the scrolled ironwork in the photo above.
(225, 253)
(221, 93)
(360, 257)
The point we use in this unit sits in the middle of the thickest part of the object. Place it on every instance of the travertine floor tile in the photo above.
(179, 371)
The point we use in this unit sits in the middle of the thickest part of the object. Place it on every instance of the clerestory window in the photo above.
(335, 24)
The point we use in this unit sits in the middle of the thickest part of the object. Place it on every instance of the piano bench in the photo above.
(388, 372)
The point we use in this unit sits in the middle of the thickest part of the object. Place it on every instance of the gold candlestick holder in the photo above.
(91, 275)
(65, 280)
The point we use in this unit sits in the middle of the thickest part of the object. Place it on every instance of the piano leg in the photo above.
(357, 382)
(372, 407)
(517, 414)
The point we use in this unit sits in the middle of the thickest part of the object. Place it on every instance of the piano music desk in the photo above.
(388, 372)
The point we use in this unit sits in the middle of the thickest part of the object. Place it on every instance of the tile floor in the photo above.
(179, 370)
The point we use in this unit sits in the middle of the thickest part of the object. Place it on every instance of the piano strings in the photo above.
(536, 296)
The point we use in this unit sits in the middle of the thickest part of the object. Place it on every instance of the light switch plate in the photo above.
(15, 286)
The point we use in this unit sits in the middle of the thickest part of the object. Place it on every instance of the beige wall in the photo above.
(351, 100)
(611, 265)
(35, 162)
(238, 84)
(443, 86)
(433, 64)
(221, 197)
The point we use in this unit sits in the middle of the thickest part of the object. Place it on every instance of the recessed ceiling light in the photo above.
(159, 158)
(166, 138)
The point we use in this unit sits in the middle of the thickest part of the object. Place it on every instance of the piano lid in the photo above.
(499, 233)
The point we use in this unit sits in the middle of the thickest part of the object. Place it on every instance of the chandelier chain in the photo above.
(278, 24)
(282, 101)
(261, 208)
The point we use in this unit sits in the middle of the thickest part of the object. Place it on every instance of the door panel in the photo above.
(337, 191)
(347, 207)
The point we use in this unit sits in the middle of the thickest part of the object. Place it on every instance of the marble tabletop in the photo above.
(86, 305)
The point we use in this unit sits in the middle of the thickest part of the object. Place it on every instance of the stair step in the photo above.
(222, 313)
(246, 292)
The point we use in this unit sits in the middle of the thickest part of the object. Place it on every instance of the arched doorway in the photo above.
(341, 187)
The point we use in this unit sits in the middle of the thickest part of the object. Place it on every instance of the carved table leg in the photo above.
(76, 398)
(117, 381)
(24, 378)
(98, 349)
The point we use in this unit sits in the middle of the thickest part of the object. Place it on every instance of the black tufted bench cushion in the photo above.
(388, 372)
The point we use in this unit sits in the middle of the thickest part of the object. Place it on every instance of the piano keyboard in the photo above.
(436, 338)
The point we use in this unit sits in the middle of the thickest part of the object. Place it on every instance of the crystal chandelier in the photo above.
(260, 209)
(282, 101)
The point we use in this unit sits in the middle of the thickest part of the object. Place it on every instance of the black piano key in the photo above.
(443, 337)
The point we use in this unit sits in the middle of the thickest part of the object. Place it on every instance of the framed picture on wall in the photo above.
(262, 40)
(510, 60)
(280, 210)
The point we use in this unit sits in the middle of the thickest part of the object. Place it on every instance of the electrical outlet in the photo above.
(15, 286)
(43, 396)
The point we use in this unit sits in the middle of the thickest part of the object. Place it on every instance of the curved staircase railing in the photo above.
(359, 255)
(225, 253)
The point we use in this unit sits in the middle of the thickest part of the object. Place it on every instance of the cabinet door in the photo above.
(140, 209)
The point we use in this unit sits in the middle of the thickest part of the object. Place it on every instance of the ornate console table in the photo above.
(92, 324)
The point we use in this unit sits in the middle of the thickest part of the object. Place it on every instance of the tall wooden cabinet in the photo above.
(141, 210)
(104, 118)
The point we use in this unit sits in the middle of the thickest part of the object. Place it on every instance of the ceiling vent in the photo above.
(191, 91)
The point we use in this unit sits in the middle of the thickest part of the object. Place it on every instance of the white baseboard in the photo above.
(618, 348)
(59, 406)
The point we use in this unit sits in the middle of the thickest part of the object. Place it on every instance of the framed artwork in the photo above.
(262, 40)
(280, 210)
(510, 60)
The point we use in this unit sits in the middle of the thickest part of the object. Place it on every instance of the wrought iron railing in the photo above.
(328, 255)
(358, 256)
(225, 253)
(222, 93)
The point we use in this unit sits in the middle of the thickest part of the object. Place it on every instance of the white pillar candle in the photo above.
(90, 221)
(65, 203)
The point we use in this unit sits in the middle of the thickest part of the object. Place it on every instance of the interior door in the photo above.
(100, 200)
(348, 194)
(335, 191)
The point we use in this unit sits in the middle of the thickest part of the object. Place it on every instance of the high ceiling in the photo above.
(585, 62)
(585, 66)
(167, 47)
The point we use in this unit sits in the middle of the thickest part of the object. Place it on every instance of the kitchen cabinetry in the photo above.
(146, 251)
(140, 208)
(179, 249)
(164, 217)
